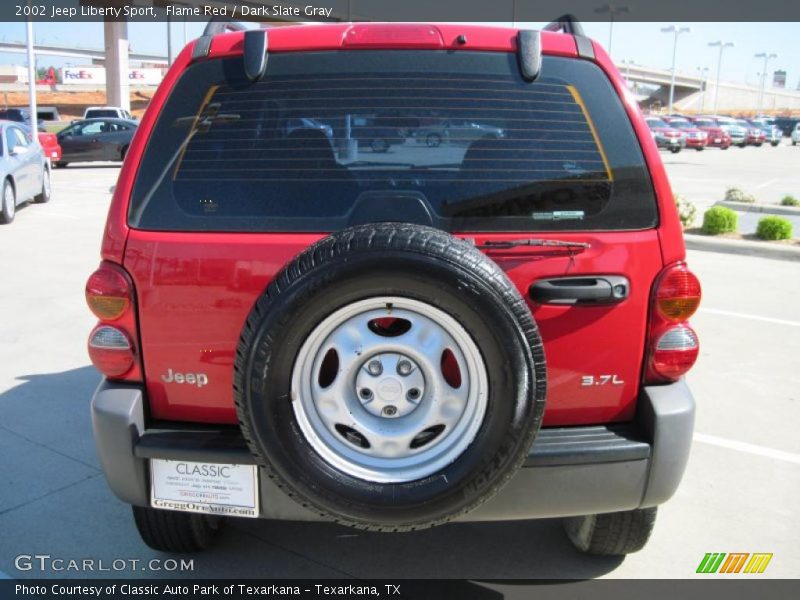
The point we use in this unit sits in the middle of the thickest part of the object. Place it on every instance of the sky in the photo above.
(643, 43)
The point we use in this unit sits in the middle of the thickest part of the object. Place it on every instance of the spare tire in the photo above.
(391, 377)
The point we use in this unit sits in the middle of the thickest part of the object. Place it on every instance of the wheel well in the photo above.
(10, 180)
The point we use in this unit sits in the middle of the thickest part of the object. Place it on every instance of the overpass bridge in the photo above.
(98, 54)
(692, 93)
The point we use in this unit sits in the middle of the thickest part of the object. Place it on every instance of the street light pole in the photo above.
(766, 56)
(677, 31)
(722, 45)
(31, 77)
(612, 11)
(704, 76)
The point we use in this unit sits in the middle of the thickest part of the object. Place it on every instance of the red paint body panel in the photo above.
(194, 290)
(330, 37)
(50, 145)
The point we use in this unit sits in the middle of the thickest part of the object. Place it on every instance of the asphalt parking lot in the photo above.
(739, 493)
(768, 173)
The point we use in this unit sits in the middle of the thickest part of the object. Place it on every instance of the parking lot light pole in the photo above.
(722, 45)
(612, 11)
(703, 71)
(677, 31)
(766, 56)
(31, 75)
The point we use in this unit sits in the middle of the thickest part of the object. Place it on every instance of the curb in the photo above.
(743, 247)
(773, 209)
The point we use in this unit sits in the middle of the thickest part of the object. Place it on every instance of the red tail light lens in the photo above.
(675, 352)
(678, 294)
(111, 351)
(108, 293)
(673, 345)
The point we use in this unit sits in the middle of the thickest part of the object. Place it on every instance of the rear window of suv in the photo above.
(328, 138)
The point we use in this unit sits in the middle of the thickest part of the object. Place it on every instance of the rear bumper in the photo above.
(569, 471)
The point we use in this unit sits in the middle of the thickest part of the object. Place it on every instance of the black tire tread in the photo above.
(613, 534)
(395, 236)
(41, 198)
(172, 531)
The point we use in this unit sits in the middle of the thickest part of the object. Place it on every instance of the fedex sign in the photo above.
(97, 76)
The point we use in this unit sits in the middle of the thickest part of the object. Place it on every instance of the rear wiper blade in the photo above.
(505, 244)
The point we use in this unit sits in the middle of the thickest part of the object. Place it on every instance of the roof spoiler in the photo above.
(255, 45)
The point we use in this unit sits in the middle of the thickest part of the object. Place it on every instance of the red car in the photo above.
(755, 135)
(666, 136)
(717, 137)
(695, 138)
(50, 145)
(291, 326)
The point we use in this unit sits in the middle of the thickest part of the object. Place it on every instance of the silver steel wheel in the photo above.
(9, 201)
(389, 389)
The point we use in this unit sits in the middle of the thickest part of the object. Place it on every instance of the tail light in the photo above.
(111, 351)
(672, 345)
(113, 342)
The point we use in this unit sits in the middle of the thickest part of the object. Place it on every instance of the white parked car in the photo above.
(796, 135)
(107, 112)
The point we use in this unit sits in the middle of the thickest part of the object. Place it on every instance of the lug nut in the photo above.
(390, 410)
(404, 367)
(413, 394)
(365, 393)
(375, 368)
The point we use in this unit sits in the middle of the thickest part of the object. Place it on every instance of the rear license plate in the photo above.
(217, 489)
(717, 141)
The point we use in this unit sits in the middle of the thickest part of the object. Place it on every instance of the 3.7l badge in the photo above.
(588, 380)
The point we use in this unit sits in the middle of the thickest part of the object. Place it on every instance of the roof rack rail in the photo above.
(567, 23)
(219, 25)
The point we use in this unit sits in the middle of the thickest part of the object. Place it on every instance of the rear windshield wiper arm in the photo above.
(506, 244)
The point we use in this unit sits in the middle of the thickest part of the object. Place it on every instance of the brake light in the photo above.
(113, 342)
(673, 346)
(108, 293)
(393, 36)
(677, 294)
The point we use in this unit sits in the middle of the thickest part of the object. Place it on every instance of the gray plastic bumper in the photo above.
(570, 471)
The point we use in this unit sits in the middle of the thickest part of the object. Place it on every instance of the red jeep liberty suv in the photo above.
(294, 324)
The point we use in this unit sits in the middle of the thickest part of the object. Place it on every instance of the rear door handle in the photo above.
(595, 289)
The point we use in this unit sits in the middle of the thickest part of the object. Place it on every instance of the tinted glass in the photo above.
(327, 139)
(97, 114)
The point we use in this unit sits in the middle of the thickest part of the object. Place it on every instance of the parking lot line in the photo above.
(729, 313)
(748, 448)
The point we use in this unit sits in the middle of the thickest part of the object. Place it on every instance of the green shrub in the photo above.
(686, 211)
(790, 201)
(774, 228)
(719, 219)
(737, 195)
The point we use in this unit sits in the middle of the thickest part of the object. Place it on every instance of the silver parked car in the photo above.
(456, 132)
(24, 169)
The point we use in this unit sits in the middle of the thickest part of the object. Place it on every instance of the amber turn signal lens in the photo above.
(678, 294)
(108, 293)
